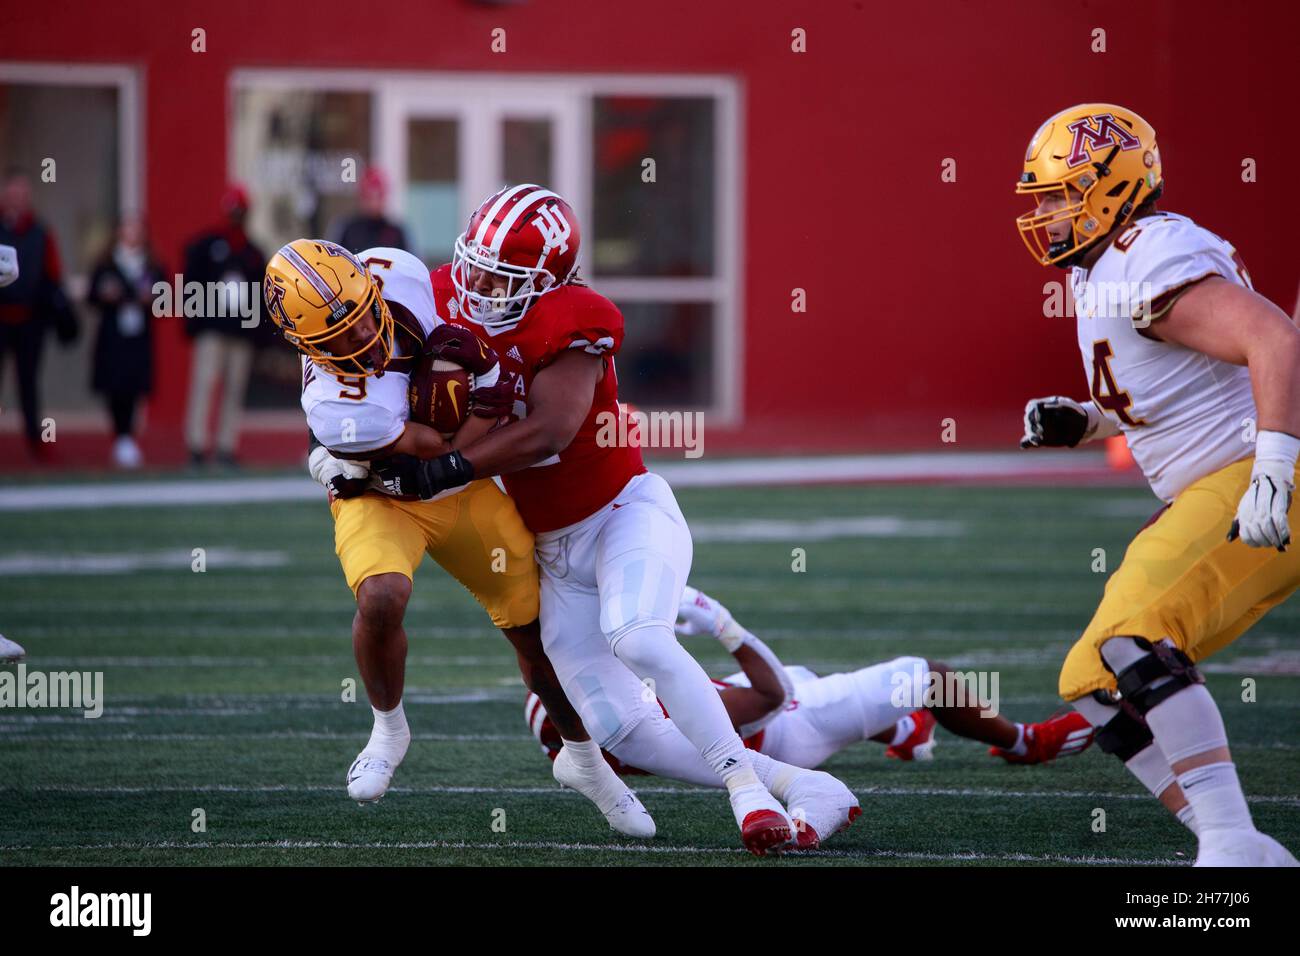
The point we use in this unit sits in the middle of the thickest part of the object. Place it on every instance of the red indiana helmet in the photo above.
(520, 244)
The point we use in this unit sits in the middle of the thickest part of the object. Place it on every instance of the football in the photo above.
(438, 395)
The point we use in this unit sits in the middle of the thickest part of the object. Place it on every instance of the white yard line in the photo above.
(936, 466)
(17, 563)
(593, 848)
(554, 790)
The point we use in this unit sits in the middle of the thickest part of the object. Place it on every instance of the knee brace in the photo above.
(1125, 734)
(1147, 679)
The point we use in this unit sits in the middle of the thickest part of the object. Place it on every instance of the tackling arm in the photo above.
(558, 402)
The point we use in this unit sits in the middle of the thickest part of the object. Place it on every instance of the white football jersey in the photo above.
(1184, 414)
(356, 416)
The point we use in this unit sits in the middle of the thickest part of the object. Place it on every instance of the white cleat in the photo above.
(602, 786)
(10, 651)
(821, 807)
(371, 773)
(1241, 848)
(765, 827)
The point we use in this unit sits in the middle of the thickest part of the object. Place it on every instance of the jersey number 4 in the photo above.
(1105, 392)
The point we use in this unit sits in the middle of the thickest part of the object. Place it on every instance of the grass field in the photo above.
(223, 690)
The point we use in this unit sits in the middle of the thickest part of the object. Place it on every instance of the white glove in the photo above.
(324, 467)
(700, 614)
(8, 265)
(1261, 519)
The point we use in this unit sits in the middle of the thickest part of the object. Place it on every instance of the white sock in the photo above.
(1187, 817)
(651, 651)
(585, 753)
(1215, 796)
(774, 775)
(1020, 747)
(902, 730)
(390, 735)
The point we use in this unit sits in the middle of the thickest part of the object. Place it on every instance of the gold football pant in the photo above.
(476, 535)
(1182, 579)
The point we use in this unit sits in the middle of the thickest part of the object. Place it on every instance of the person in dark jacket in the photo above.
(223, 346)
(370, 227)
(121, 288)
(32, 301)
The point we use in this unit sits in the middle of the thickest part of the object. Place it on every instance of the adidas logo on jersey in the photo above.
(514, 353)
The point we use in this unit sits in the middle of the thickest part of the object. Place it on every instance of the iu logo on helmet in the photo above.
(1109, 131)
(554, 227)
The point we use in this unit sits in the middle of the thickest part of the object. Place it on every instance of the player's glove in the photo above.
(1054, 422)
(497, 400)
(1261, 519)
(8, 266)
(700, 614)
(407, 476)
(343, 479)
(455, 343)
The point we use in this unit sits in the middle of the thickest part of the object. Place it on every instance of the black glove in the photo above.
(1054, 422)
(341, 487)
(407, 476)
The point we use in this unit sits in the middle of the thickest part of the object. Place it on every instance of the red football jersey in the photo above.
(585, 476)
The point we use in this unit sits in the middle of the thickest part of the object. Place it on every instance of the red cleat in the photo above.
(1061, 735)
(807, 838)
(920, 744)
(764, 830)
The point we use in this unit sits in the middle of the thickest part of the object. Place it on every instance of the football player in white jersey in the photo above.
(795, 716)
(361, 322)
(1202, 377)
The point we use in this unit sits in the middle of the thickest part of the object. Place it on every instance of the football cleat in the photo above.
(10, 650)
(1061, 735)
(620, 806)
(369, 777)
(764, 825)
(820, 807)
(1241, 848)
(920, 744)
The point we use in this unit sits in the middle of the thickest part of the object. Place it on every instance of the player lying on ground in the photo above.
(791, 714)
(358, 344)
(613, 546)
(1202, 377)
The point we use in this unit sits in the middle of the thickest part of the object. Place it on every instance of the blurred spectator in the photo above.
(33, 301)
(223, 347)
(121, 287)
(370, 227)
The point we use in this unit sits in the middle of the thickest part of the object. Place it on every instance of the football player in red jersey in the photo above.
(612, 545)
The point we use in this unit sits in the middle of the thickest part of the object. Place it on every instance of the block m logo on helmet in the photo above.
(1108, 132)
(554, 227)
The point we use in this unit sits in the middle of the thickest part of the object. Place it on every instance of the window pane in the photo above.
(432, 195)
(667, 357)
(290, 151)
(660, 228)
(77, 126)
(526, 151)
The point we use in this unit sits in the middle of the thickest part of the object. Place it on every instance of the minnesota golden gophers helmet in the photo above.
(316, 290)
(1103, 162)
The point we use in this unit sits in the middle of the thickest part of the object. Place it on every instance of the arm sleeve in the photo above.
(354, 429)
(787, 685)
